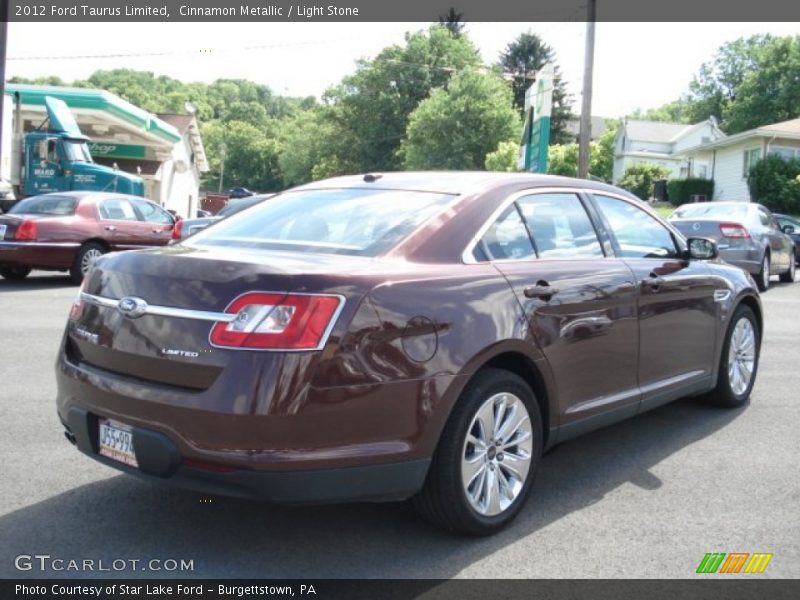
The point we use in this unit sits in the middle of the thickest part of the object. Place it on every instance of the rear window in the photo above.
(710, 210)
(45, 205)
(358, 222)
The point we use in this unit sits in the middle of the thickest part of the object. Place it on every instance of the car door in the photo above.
(159, 222)
(122, 227)
(676, 303)
(580, 304)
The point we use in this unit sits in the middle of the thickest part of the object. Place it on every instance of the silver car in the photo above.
(747, 236)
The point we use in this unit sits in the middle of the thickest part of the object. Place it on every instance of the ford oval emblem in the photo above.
(696, 226)
(132, 307)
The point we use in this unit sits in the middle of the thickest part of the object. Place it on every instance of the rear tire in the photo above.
(88, 253)
(740, 354)
(499, 408)
(762, 279)
(789, 276)
(15, 273)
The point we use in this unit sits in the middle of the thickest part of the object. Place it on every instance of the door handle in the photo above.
(110, 228)
(654, 282)
(542, 290)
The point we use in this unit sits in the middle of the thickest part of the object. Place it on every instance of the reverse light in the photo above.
(270, 321)
(26, 231)
(733, 230)
(76, 310)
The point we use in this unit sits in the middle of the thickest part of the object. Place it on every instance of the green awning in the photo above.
(96, 100)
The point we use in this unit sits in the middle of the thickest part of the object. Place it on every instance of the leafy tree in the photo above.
(638, 179)
(308, 143)
(601, 152)
(455, 128)
(678, 111)
(371, 108)
(251, 157)
(563, 160)
(529, 53)
(775, 183)
(452, 21)
(504, 158)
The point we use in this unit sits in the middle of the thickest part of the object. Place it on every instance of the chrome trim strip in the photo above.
(163, 311)
(24, 244)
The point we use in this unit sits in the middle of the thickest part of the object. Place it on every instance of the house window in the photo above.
(751, 157)
(785, 153)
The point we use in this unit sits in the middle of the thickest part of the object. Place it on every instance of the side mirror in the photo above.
(787, 229)
(702, 248)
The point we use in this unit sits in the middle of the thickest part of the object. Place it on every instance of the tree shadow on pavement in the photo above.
(123, 517)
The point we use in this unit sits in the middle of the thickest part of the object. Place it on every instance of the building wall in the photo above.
(702, 135)
(178, 182)
(729, 180)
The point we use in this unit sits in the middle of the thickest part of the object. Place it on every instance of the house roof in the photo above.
(187, 126)
(785, 129)
(655, 131)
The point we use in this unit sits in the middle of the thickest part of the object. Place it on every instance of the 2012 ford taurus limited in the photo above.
(405, 335)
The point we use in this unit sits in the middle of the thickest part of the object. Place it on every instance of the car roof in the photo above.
(450, 182)
(92, 195)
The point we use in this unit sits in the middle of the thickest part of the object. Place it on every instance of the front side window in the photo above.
(118, 209)
(506, 239)
(638, 234)
(560, 226)
(77, 151)
(152, 213)
(356, 221)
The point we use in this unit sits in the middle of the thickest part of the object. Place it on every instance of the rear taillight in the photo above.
(26, 231)
(177, 230)
(269, 321)
(733, 230)
(76, 310)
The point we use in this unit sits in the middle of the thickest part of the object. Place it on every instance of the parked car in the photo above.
(187, 227)
(410, 335)
(67, 231)
(747, 236)
(239, 192)
(791, 227)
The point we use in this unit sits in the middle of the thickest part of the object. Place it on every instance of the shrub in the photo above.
(638, 179)
(681, 191)
(774, 183)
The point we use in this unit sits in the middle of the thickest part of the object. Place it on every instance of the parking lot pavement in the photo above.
(644, 498)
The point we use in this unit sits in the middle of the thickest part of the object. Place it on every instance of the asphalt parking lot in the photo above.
(644, 498)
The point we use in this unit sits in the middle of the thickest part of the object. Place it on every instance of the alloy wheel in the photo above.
(741, 356)
(91, 255)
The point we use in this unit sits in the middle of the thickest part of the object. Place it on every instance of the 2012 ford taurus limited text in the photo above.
(405, 335)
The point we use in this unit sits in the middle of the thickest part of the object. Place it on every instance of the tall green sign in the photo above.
(533, 151)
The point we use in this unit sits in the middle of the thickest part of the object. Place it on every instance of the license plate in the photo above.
(2, 231)
(116, 442)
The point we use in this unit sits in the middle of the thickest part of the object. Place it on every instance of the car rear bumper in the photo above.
(748, 259)
(160, 460)
(38, 254)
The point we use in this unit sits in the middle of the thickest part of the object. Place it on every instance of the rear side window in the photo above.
(45, 205)
(358, 221)
(560, 226)
(638, 234)
(117, 209)
(506, 239)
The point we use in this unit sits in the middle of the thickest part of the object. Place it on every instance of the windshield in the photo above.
(77, 151)
(231, 208)
(711, 210)
(45, 205)
(358, 222)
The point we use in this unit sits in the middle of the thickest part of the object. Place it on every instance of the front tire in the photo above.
(483, 469)
(739, 361)
(762, 278)
(88, 253)
(15, 273)
(789, 276)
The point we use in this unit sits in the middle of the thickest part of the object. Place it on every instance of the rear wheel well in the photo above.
(521, 365)
(99, 242)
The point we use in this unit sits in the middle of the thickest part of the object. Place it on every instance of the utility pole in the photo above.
(3, 43)
(223, 150)
(586, 104)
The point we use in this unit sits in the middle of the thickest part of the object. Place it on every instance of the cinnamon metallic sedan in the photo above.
(404, 335)
(67, 231)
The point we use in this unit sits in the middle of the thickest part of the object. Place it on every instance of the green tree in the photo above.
(638, 179)
(451, 20)
(563, 160)
(455, 128)
(678, 111)
(601, 156)
(775, 183)
(308, 141)
(251, 156)
(371, 108)
(504, 158)
(525, 55)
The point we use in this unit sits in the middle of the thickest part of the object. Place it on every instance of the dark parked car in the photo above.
(747, 236)
(421, 335)
(791, 227)
(187, 227)
(239, 192)
(67, 231)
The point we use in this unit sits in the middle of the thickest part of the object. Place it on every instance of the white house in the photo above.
(731, 157)
(663, 144)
